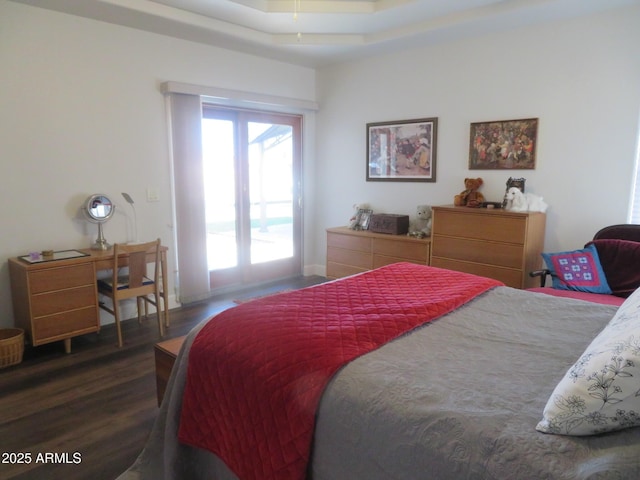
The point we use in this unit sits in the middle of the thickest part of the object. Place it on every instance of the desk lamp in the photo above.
(129, 200)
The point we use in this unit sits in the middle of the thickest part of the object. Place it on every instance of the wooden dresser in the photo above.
(354, 251)
(55, 300)
(490, 242)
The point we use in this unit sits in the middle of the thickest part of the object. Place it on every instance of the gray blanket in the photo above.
(458, 398)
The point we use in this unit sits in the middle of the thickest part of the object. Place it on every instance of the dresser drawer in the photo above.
(63, 300)
(339, 270)
(509, 229)
(350, 242)
(510, 277)
(501, 254)
(349, 257)
(382, 260)
(404, 250)
(60, 278)
(64, 325)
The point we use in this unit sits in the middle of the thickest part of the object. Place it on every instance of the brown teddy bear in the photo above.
(470, 197)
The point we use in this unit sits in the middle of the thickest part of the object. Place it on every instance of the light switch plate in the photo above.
(152, 194)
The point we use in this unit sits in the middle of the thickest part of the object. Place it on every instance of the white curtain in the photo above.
(185, 117)
(634, 211)
(635, 207)
(635, 199)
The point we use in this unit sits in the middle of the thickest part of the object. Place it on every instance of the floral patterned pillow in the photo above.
(601, 391)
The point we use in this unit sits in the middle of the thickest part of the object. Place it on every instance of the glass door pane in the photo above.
(220, 192)
(270, 155)
(252, 165)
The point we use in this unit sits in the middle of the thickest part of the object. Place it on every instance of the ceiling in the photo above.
(320, 32)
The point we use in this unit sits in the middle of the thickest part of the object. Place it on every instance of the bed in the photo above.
(458, 396)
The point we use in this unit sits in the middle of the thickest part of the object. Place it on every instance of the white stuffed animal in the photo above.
(421, 223)
(524, 202)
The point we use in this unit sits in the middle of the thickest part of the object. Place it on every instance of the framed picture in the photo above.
(363, 217)
(402, 151)
(503, 145)
(516, 182)
(513, 182)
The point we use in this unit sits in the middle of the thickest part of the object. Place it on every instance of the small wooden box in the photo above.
(389, 223)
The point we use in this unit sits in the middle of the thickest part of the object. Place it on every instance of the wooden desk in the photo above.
(165, 355)
(58, 300)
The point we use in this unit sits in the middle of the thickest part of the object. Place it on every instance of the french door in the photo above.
(252, 171)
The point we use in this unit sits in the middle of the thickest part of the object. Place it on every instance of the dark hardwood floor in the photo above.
(87, 414)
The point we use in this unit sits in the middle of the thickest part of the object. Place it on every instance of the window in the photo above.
(635, 199)
(634, 214)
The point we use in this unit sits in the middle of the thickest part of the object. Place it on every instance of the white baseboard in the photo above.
(309, 270)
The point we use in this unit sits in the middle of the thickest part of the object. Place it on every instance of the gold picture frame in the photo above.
(402, 151)
(503, 145)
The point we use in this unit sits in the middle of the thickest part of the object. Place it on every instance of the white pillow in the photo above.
(601, 391)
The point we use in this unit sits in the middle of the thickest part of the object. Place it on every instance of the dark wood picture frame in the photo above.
(513, 182)
(503, 145)
(516, 182)
(402, 151)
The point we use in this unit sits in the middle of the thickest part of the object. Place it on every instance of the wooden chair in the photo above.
(163, 295)
(134, 284)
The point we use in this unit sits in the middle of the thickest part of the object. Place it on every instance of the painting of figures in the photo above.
(503, 145)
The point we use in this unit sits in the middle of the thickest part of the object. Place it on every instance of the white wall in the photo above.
(581, 78)
(81, 112)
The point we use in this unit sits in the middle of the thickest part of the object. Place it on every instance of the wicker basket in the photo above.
(11, 346)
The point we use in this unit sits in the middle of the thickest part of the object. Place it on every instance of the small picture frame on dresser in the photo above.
(363, 217)
(513, 182)
(516, 182)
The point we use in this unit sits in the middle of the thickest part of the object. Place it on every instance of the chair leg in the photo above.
(138, 300)
(116, 314)
(159, 314)
(165, 304)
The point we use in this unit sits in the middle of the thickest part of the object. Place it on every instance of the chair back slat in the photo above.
(137, 269)
(138, 260)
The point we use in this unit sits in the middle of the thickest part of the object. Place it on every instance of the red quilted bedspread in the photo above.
(257, 371)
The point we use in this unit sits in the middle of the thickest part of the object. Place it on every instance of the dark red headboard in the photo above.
(623, 231)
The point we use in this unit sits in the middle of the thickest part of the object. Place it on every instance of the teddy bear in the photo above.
(470, 197)
(421, 224)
